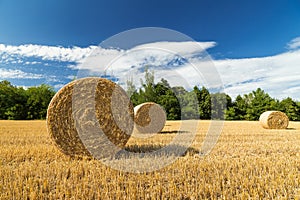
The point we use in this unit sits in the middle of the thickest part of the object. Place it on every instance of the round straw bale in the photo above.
(149, 117)
(274, 120)
(97, 106)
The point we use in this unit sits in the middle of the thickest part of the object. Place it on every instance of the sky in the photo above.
(250, 43)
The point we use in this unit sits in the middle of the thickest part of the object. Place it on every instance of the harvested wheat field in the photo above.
(248, 162)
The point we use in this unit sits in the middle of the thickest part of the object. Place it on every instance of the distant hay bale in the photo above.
(149, 117)
(98, 108)
(274, 120)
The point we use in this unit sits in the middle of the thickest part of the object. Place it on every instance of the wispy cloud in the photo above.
(294, 44)
(155, 54)
(186, 49)
(279, 75)
(169, 60)
(18, 74)
(54, 53)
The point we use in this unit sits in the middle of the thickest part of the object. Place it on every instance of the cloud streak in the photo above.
(279, 74)
(53, 53)
(155, 54)
(18, 74)
(294, 44)
(169, 60)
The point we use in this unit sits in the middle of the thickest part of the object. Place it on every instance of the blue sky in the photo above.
(258, 40)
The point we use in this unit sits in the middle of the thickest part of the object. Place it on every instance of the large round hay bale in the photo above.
(90, 113)
(274, 120)
(149, 117)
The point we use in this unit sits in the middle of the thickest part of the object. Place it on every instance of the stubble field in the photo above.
(248, 162)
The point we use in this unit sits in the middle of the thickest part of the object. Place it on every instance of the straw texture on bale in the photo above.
(96, 107)
(274, 120)
(149, 117)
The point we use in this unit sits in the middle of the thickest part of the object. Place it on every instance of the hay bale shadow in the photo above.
(142, 151)
(173, 132)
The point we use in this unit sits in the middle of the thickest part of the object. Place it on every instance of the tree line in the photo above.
(17, 103)
(200, 103)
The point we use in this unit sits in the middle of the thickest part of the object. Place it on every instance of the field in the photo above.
(248, 162)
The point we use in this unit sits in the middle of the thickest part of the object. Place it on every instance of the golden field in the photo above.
(248, 162)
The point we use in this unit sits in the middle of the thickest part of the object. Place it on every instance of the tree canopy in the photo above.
(199, 103)
(18, 103)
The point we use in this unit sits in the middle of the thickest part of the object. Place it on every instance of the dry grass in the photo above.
(248, 162)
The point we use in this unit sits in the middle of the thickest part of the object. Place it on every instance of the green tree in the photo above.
(220, 104)
(290, 108)
(257, 102)
(171, 105)
(179, 90)
(17, 109)
(12, 101)
(148, 92)
(189, 105)
(168, 99)
(38, 101)
(161, 88)
(204, 102)
(130, 87)
(6, 97)
(237, 110)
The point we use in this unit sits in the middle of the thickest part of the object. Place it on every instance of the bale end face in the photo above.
(149, 117)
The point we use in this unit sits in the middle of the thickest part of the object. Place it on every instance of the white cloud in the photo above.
(18, 74)
(30, 63)
(185, 49)
(126, 64)
(55, 53)
(294, 44)
(71, 77)
(99, 59)
(278, 75)
(58, 86)
(158, 53)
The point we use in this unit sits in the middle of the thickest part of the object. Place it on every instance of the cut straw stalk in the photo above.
(274, 120)
(94, 106)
